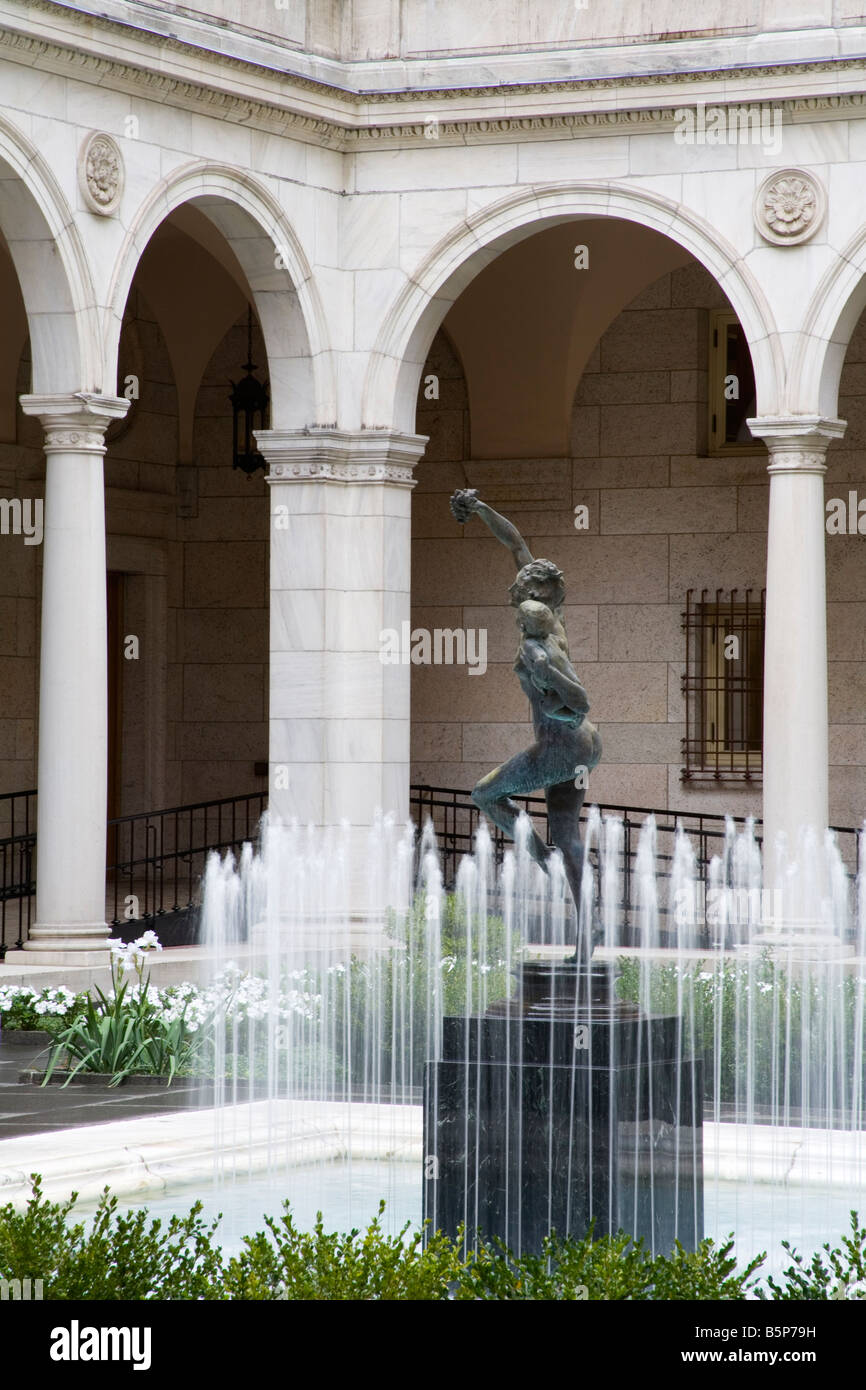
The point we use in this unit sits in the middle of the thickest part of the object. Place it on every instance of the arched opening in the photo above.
(187, 531)
(579, 400)
(434, 286)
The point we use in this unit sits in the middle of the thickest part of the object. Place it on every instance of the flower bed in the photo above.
(24, 1010)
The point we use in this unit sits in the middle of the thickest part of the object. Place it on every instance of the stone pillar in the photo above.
(339, 576)
(73, 689)
(796, 753)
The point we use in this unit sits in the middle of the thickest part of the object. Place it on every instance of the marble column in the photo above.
(796, 736)
(339, 577)
(73, 690)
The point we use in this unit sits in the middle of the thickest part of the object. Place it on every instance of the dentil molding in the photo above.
(354, 129)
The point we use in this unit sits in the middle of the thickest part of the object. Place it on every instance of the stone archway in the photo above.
(795, 748)
(277, 272)
(52, 268)
(413, 318)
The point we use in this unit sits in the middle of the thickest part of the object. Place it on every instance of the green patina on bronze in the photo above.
(567, 746)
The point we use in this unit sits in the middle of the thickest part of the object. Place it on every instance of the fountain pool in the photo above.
(759, 973)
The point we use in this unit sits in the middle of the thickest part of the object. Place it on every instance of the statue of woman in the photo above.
(566, 746)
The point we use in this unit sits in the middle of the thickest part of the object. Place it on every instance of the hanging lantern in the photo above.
(250, 400)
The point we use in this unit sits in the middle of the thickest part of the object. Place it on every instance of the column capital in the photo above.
(797, 443)
(343, 456)
(75, 423)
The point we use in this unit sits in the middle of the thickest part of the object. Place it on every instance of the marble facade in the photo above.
(357, 173)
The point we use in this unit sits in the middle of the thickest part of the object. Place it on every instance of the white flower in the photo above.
(149, 942)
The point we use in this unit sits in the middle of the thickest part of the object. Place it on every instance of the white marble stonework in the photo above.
(340, 549)
(352, 176)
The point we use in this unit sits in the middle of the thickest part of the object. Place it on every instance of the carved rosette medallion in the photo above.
(100, 173)
(789, 207)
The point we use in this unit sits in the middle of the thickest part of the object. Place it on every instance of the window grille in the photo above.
(723, 686)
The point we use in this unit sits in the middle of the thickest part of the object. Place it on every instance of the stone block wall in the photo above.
(663, 518)
(219, 678)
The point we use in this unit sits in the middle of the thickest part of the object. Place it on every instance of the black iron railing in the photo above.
(455, 819)
(17, 865)
(156, 860)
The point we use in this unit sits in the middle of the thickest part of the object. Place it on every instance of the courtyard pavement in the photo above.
(34, 1109)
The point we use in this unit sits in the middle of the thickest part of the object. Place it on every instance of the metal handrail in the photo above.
(157, 858)
(455, 819)
(155, 861)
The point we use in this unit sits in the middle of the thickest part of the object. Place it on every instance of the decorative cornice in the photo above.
(355, 131)
(343, 456)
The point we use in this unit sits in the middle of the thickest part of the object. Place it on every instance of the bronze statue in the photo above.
(567, 747)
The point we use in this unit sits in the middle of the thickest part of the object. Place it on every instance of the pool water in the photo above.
(348, 1196)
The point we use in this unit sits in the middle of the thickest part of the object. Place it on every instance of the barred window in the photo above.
(723, 686)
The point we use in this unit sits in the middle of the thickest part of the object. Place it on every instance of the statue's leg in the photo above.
(564, 801)
(521, 775)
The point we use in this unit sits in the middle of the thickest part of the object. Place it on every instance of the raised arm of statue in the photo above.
(466, 503)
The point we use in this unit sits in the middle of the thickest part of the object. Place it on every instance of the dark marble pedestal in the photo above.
(559, 1108)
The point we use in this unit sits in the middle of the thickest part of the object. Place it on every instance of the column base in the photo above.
(80, 943)
(358, 932)
(799, 944)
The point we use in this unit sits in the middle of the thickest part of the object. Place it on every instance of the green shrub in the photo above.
(610, 1268)
(285, 1263)
(133, 1257)
(792, 1030)
(120, 1257)
(830, 1274)
(27, 1010)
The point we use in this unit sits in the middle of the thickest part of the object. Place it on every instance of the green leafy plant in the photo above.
(612, 1268)
(28, 1010)
(788, 1029)
(125, 1032)
(830, 1274)
(120, 1257)
(132, 1256)
(284, 1262)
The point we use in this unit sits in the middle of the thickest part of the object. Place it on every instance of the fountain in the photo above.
(542, 1075)
(735, 1055)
